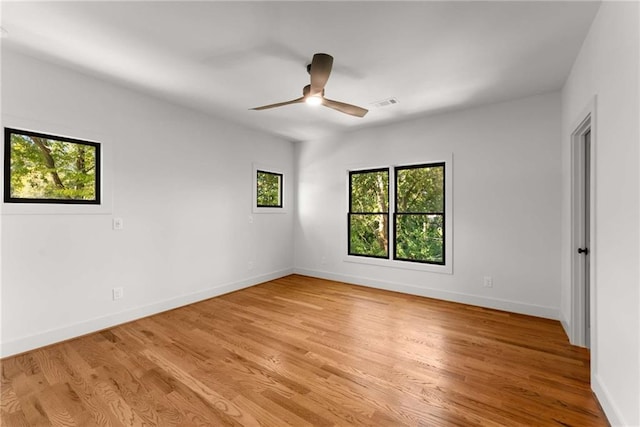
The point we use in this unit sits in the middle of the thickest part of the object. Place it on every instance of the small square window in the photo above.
(268, 189)
(41, 168)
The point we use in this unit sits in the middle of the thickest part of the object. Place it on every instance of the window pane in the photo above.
(269, 192)
(420, 189)
(370, 191)
(43, 168)
(369, 235)
(420, 237)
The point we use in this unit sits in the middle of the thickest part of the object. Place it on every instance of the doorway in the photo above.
(581, 241)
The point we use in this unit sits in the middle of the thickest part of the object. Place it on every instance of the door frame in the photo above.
(578, 292)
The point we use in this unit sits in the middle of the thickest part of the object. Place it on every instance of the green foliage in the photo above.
(51, 169)
(419, 237)
(369, 235)
(420, 189)
(269, 189)
(370, 191)
(419, 229)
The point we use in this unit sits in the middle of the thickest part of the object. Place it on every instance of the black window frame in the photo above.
(280, 189)
(441, 214)
(7, 169)
(352, 213)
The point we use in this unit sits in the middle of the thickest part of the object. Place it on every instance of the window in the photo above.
(268, 189)
(42, 168)
(418, 232)
(369, 213)
(419, 213)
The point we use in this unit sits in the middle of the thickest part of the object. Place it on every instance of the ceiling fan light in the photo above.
(313, 100)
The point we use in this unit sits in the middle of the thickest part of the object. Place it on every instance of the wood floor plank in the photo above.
(299, 351)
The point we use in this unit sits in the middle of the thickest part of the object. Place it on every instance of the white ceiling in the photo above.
(226, 57)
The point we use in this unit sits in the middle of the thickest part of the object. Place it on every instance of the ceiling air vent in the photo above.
(385, 103)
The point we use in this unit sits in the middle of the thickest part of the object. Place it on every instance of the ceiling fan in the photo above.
(313, 93)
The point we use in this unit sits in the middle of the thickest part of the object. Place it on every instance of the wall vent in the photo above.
(385, 103)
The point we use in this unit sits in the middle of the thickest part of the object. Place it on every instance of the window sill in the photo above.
(257, 210)
(54, 209)
(403, 265)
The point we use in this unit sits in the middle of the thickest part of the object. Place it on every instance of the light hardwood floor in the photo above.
(301, 351)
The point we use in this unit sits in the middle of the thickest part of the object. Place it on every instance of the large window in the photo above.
(42, 168)
(418, 232)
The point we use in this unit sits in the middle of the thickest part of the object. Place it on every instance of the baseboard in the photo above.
(566, 326)
(53, 336)
(494, 303)
(610, 409)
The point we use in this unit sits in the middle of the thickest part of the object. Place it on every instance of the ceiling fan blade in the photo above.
(279, 104)
(320, 70)
(345, 108)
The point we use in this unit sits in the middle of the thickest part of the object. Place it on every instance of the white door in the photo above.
(584, 250)
(581, 238)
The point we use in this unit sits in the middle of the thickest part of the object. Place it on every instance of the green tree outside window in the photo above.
(418, 212)
(269, 191)
(48, 169)
(369, 213)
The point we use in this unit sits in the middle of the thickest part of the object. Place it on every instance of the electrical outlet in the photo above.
(488, 282)
(118, 293)
(250, 219)
(118, 224)
(250, 265)
(323, 260)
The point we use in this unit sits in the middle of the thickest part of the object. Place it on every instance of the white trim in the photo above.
(566, 325)
(613, 413)
(53, 336)
(107, 166)
(493, 303)
(403, 265)
(254, 190)
(447, 159)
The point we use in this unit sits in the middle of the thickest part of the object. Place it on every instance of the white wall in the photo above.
(506, 203)
(608, 67)
(182, 184)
